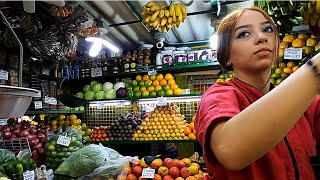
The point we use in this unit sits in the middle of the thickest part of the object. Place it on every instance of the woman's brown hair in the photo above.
(226, 30)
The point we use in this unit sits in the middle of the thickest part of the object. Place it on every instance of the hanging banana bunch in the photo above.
(285, 14)
(311, 13)
(163, 17)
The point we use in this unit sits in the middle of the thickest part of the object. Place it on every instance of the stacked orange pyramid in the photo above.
(163, 123)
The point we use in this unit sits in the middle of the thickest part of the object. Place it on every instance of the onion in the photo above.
(34, 154)
(41, 150)
(17, 126)
(31, 136)
(11, 128)
(16, 131)
(43, 131)
(24, 133)
(38, 146)
(13, 137)
(34, 141)
(1, 128)
(31, 126)
(33, 131)
(6, 129)
(7, 134)
(24, 127)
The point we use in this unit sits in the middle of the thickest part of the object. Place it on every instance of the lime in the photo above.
(153, 93)
(48, 154)
(88, 132)
(51, 148)
(152, 77)
(272, 81)
(148, 83)
(134, 82)
(145, 93)
(83, 126)
(60, 154)
(130, 94)
(137, 94)
(67, 154)
(161, 93)
(221, 76)
(284, 75)
(166, 87)
(136, 88)
(141, 83)
(143, 88)
(275, 76)
(169, 92)
(87, 138)
(53, 154)
(64, 149)
(278, 70)
(278, 81)
(129, 88)
(71, 149)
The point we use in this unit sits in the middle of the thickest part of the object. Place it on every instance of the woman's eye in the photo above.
(243, 34)
(268, 29)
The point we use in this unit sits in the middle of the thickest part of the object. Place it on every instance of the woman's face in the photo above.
(252, 43)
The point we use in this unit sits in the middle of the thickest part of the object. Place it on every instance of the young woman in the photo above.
(249, 130)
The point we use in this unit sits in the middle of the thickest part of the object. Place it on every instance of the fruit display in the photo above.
(190, 131)
(125, 127)
(100, 134)
(153, 86)
(285, 14)
(310, 12)
(163, 123)
(308, 43)
(14, 169)
(98, 91)
(35, 135)
(225, 77)
(57, 153)
(282, 71)
(166, 169)
(163, 17)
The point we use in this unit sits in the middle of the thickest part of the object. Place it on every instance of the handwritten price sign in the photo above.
(148, 173)
(293, 53)
(28, 175)
(96, 72)
(64, 140)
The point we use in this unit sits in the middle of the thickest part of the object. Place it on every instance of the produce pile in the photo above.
(165, 123)
(64, 122)
(153, 86)
(311, 13)
(35, 135)
(125, 127)
(57, 153)
(167, 169)
(309, 44)
(283, 70)
(13, 167)
(285, 14)
(98, 91)
(163, 17)
(100, 134)
(225, 77)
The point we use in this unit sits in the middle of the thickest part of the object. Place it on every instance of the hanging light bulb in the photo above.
(95, 49)
(214, 41)
(101, 41)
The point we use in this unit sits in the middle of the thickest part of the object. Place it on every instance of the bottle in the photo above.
(115, 68)
(105, 68)
(147, 54)
(140, 58)
(133, 61)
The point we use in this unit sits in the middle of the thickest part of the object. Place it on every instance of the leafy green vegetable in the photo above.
(6, 155)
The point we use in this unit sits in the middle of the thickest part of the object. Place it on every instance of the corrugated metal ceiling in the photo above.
(127, 30)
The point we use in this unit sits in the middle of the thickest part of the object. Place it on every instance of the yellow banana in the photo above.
(151, 24)
(313, 2)
(177, 24)
(183, 8)
(177, 9)
(174, 17)
(144, 13)
(155, 15)
(148, 18)
(171, 9)
(166, 13)
(156, 22)
(310, 8)
(144, 7)
(169, 26)
(180, 18)
(161, 13)
(164, 7)
(313, 21)
(164, 21)
(169, 20)
(151, 3)
(163, 29)
(155, 8)
(317, 7)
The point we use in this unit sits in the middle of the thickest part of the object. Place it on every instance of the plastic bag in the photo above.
(24, 154)
(6, 156)
(88, 159)
(110, 169)
(55, 153)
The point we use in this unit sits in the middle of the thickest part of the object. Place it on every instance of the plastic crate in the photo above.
(15, 145)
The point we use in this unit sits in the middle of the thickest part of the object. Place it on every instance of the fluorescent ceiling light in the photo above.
(97, 45)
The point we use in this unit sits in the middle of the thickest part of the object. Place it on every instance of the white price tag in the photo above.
(37, 104)
(96, 72)
(148, 173)
(3, 122)
(153, 72)
(162, 101)
(52, 101)
(120, 104)
(38, 93)
(186, 91)
(64, 140)
(4, 75)
(293, 53)
(101, 105)
(28, 175)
